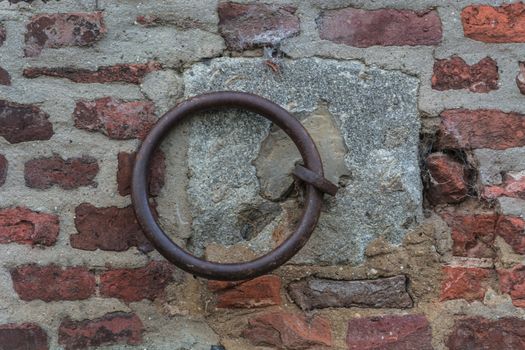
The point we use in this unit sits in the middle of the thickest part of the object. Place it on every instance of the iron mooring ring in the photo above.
(311, 173)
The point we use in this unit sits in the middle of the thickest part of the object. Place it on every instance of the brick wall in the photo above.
(417, 108)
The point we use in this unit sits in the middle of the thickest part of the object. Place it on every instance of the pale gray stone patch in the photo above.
(492, 163)
(163, 88)
(376, 113)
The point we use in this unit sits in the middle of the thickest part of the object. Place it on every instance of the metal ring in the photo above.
(228, 271)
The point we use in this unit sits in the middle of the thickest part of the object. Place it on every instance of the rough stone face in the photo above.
(111, 228)
(132, 73)
(507, 333)
(2, 34)
(385, 27)
(512, 282)
(495, 24)
(447, 179)
(247, 26)
(53, 30)
(5, 78)
(472, 234)
(117, 119)
(259, 292)
(520, 79)
(136, 284)
(112, 328)
(157, 171)
(53, 283)
(482, 128)
(322, 293)
(464, 283)
(24, 226)
(289, 331)
(4, 164)
(20, 123)
(22, 336)
(278, 155)
(455, 74)
(389, 332)
(379, 126)
(71, 173)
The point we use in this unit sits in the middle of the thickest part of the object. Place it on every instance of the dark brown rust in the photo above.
(316, 185)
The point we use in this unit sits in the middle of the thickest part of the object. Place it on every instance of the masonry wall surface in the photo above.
(417, 108)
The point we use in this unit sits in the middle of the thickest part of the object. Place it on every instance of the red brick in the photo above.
(5, 78)
(384, 27)
(389, 332)
(111, 228)
(456, 74)
(507, 333)
(495, 24)
(512, 230)
(259, 292)
(289, 331)
(124, 73)
(114, 118)
(22, 336)
(23, 226)
(54, 30)
(247, 26)
(472, 234)
(157, 171)
(512, 282)
(130, 285)
(20, 123)
(513, 186)
(520, 79)
(3, 169)
(71, 173)
(52, 282)
(482, 128)
(469, 283)
(448, 179)
(112, 328)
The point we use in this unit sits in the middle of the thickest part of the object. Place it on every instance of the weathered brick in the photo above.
(5, 78)
(247, 26)
(71, 173)
(456, 74)
(520, 78)
(512, 230)
(54, 30)
(23, 336)
(130, 285)
(111, 228)
(469, 283)
(289, 331)
(24, 226)
(507, 333)
(115, 118)
(384, 27)
(52, 282)
(4, 164)
(482, 128)
(389, 332)
(112, 328)
(157, 171)
(132, 73)
(512, 186)
(20, 123)
(259, 292)
(512, 282)
(495, 24)
(447, 179)
(317, 293)
(472, 234)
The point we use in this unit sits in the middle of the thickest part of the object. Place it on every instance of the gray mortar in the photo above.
(377, 116)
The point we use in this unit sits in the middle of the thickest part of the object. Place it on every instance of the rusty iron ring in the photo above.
(311, 174)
